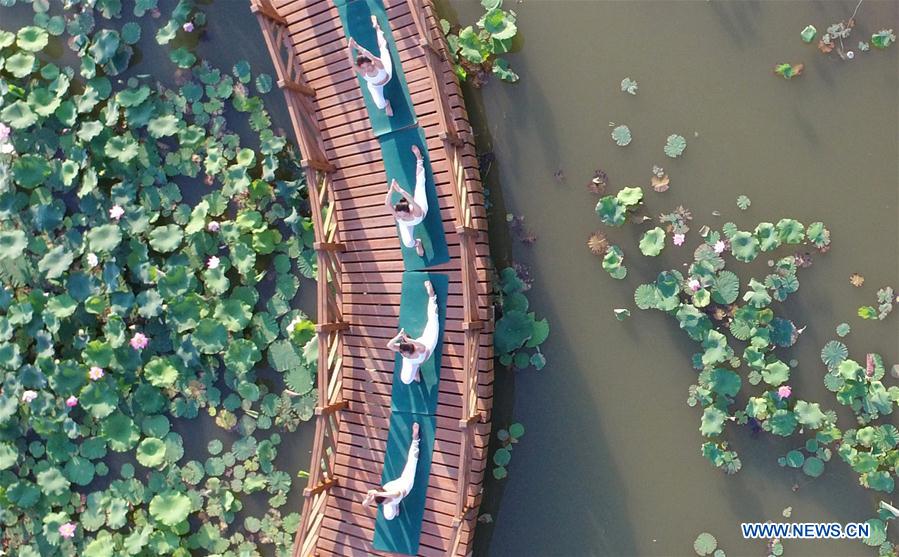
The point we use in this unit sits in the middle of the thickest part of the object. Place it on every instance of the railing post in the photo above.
(330, 328)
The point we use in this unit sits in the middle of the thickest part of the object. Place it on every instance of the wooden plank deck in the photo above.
(370, 271)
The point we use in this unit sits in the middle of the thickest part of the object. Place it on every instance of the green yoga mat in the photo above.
(399, 164)
(420, 397)
(402, 534)
(356, 18)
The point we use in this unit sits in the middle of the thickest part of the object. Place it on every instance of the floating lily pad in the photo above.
(621, 135)
(675, 145)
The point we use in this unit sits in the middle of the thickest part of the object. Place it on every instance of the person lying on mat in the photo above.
(395, 490)
(416, 351)
(375, 70)
(410, 210)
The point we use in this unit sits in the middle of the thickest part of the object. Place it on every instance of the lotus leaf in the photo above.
(653, 242)
(503, 71)
(628, 85)
(818, 235)
(809, 414)
(743, 202)
(621, 135)
(790, 231)
(163, 126)
(170, 507)
(744, 246)
(705, 544)
(808, 34)
(120, 432)
(263, 83)
(712, 422)
(611, 211)
(151, 452)
(613, 263)
(182, 57)
(883, 39)
(782, 422)
(675, 145)
(499, 23)
(725, 287)
(123, 148)
(724, 382)
(12, 244)
(757, 295)
(630, 197)
(834, 353)
(513, 329)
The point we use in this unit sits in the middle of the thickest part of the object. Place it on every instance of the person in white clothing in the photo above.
(410, 210)
(416, 351)
(375, 70)
(394, 491)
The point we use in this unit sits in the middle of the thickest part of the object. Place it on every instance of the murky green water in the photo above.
(610, 463)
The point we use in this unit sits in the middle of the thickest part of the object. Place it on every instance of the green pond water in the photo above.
(610, 463)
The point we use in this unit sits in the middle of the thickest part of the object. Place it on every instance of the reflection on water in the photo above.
(610, 464)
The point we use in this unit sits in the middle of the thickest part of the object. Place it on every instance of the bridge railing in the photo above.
(331, 324)
(432, 40)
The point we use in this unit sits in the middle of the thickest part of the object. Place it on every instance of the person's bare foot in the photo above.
(416, 151)
(429, 288)
(415, 430)
(419, 249)
(388, 110)
(374, 21)
(417, 377)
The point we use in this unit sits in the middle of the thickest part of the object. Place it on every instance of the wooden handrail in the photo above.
(437, 61)
(331, 325)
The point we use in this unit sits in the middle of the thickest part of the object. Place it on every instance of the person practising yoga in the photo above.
(410, 210)
(376, 71)
(394, 491)
(416, 351)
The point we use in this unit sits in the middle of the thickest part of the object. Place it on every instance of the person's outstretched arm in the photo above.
(349, 52)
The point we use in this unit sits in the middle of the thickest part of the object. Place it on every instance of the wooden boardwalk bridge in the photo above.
(360, 270)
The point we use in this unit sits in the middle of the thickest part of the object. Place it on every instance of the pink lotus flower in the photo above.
(139, 341)
(92, 260)
(784, 391)
(694, 284)
(96, 373)
(72, 401)
(28, 396)
(213, 226)
(213, 262)
(189, 26)
(67, 530)
(720, 246)
(4, 132)
(116, 212)
(679, 239)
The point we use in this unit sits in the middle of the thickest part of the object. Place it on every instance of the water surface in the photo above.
(610, 463)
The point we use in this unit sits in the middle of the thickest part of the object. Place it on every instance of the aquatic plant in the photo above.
(706, 544)
(789, 71)
(675, 145)
(743, 202)
(883, 38)
(517, 330)
(475, 52)
(503, 454)
(598, 244)
(808, 34)
(613, 210)
(885, 300)
(628, 85)
(114, 321)
(621, 135)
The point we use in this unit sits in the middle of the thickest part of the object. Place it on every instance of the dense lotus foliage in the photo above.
(475, 50)
(517, 330)
(741, 338)
(148, 262)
